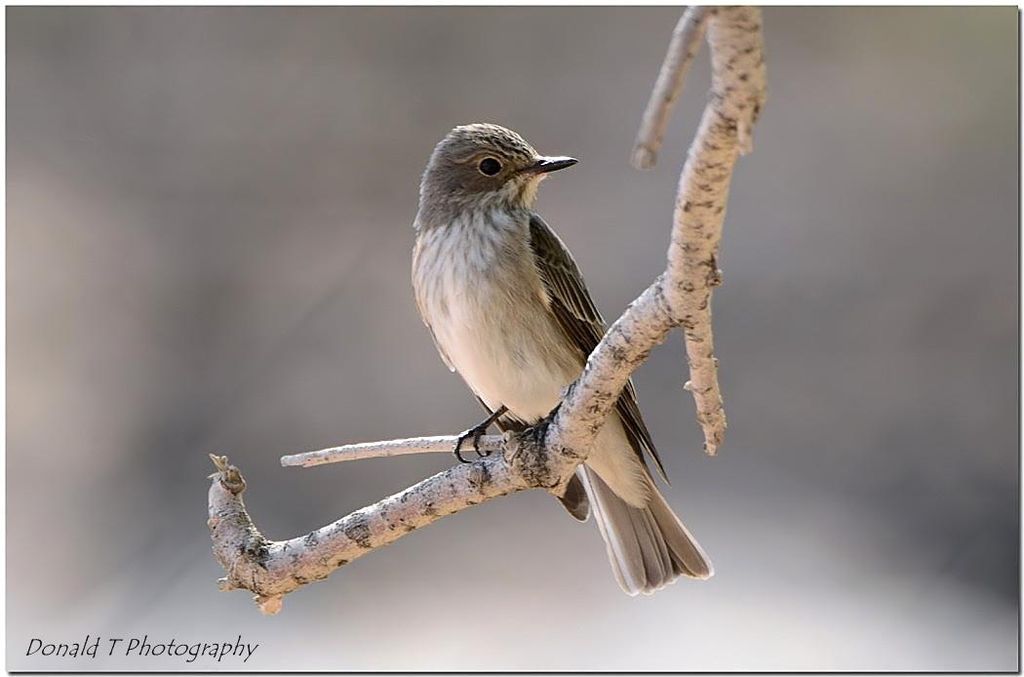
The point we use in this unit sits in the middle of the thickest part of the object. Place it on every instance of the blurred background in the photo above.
(209, 233)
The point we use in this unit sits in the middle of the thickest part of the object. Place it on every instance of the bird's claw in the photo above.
(476, 433)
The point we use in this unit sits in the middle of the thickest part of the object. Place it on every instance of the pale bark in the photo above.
(487, 444)
(669, 85)
(546, 455)
(737, 96)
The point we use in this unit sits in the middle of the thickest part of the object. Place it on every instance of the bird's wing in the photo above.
(575, 498)
(582, 323)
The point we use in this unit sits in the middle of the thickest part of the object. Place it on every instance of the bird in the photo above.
(508, 310)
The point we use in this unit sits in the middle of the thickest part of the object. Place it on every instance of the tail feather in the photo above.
(688, 558)
(648, 547)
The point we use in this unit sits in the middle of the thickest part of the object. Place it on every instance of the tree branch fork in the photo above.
(546, 455)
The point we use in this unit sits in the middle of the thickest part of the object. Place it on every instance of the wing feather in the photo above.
(582, 323)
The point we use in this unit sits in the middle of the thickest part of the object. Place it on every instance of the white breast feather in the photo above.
(496, 334)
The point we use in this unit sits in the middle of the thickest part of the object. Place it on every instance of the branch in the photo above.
(681, 50)
(272, 569)
(737, 96)
(546, 455)
(415, 445)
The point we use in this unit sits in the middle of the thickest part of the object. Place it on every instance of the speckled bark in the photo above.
(271, 569)
(625, 345)
(737, 95)
(545, 456)
(681, 50)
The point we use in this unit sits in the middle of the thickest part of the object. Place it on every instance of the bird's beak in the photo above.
(543, 165)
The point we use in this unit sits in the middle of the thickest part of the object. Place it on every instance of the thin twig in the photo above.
(413, 445)
(669, 85)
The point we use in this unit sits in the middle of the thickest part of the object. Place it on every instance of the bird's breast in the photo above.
(482, 297)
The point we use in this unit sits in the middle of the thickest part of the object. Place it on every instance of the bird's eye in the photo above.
(489, 166)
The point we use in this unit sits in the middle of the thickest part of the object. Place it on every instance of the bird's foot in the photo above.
(476, 432)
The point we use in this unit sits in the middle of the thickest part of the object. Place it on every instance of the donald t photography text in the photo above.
(238, 651)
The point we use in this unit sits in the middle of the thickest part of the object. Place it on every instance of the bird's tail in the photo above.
(648, 547)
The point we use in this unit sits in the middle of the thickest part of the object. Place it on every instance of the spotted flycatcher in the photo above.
(508, 309)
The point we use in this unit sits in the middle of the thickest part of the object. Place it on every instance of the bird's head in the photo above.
(482, 166)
